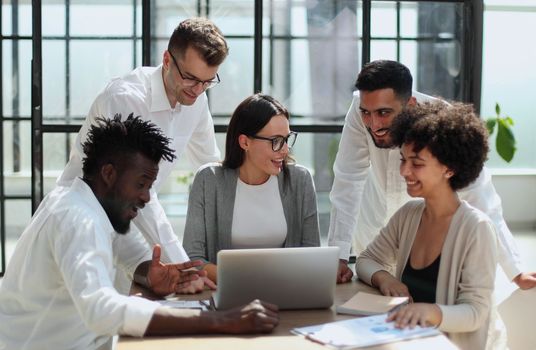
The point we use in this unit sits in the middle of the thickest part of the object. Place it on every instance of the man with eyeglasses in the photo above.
(173, 97)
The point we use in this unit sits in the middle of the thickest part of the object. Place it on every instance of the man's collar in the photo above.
(83, 189)
(159, 100)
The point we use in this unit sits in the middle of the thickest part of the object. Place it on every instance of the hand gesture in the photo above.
(422, 314)
(165, 279)
(255, 317)
(344, 273)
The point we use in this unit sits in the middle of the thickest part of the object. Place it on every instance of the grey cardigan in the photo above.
(211, 205)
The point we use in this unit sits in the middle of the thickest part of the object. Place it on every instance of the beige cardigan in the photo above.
(466, 273)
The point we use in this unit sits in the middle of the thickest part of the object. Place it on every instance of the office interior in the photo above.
(56, 55)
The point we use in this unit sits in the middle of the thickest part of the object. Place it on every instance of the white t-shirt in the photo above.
(258, 217)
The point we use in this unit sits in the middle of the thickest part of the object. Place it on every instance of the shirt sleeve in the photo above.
(130, 250)
(350, 169)
(382, 252)
(481, 194)
(84, 256)
(202, 148)
(154, 225)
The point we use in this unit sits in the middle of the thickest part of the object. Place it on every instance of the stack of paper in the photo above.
(367, 304)
(361, 332)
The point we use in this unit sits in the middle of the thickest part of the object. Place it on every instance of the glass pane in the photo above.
(16, 20)
(233, 17)
(114, 18)
(53, 17)
(317, 153)
(166, 15)
(56, 149)
(236, 75)
(383, 19)
(508, 78)
(408, 57)
(313, 75)
(16, 158)
(408, 19)
(54, 81)
(89, 74)
(16, 77)
(18, 215)
(439, 19)
(382, 50)
(55, 154)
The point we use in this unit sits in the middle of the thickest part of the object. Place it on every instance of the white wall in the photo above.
(518, 194)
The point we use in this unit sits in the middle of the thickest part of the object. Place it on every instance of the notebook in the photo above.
(291, 278)
(370, 304)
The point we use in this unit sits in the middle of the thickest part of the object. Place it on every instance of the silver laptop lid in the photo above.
(292, 278)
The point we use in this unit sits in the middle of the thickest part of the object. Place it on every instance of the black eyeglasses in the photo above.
(191, 82)
(279, 141)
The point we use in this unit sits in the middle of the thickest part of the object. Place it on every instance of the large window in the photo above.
(305, 53)
(509, 75)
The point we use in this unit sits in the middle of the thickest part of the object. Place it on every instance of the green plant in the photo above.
(505, 142)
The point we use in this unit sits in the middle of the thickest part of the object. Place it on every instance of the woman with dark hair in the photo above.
(442, 250)
(257, 197)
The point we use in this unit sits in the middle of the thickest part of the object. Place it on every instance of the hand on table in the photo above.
(197, 286)
(255, 317)
(344, 273)
(411, 315)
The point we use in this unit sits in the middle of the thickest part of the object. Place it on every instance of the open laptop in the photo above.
(292, 278)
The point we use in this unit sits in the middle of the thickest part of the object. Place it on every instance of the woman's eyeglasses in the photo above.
(279, 141)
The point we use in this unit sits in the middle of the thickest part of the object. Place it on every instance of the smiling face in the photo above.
(128, 190)
(425, 176)
(260, 160)
(378, 109)
(192, 66)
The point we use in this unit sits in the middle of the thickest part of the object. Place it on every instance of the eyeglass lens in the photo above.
(278, 142)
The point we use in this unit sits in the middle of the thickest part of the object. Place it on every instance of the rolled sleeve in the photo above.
(138, 314)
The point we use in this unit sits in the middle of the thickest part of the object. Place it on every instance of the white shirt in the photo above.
(368, 189)
(258, 217)
(57, 292)
(190, 129)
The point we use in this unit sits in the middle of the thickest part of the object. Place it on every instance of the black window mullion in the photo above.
(37, 110)
(146, 32)
(67, 75)
(398, 31)
(257, 54)
(365, 43)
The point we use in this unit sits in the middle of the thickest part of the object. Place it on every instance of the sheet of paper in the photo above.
(185, 304)
(361, 332)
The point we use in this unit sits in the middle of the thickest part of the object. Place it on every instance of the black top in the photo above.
(422, 283)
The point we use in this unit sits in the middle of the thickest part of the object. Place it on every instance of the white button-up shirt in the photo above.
(368, 189)
(190, 129)
(57, 292)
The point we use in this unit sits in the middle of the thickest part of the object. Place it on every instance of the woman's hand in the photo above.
(422, 314)
(388, 285)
